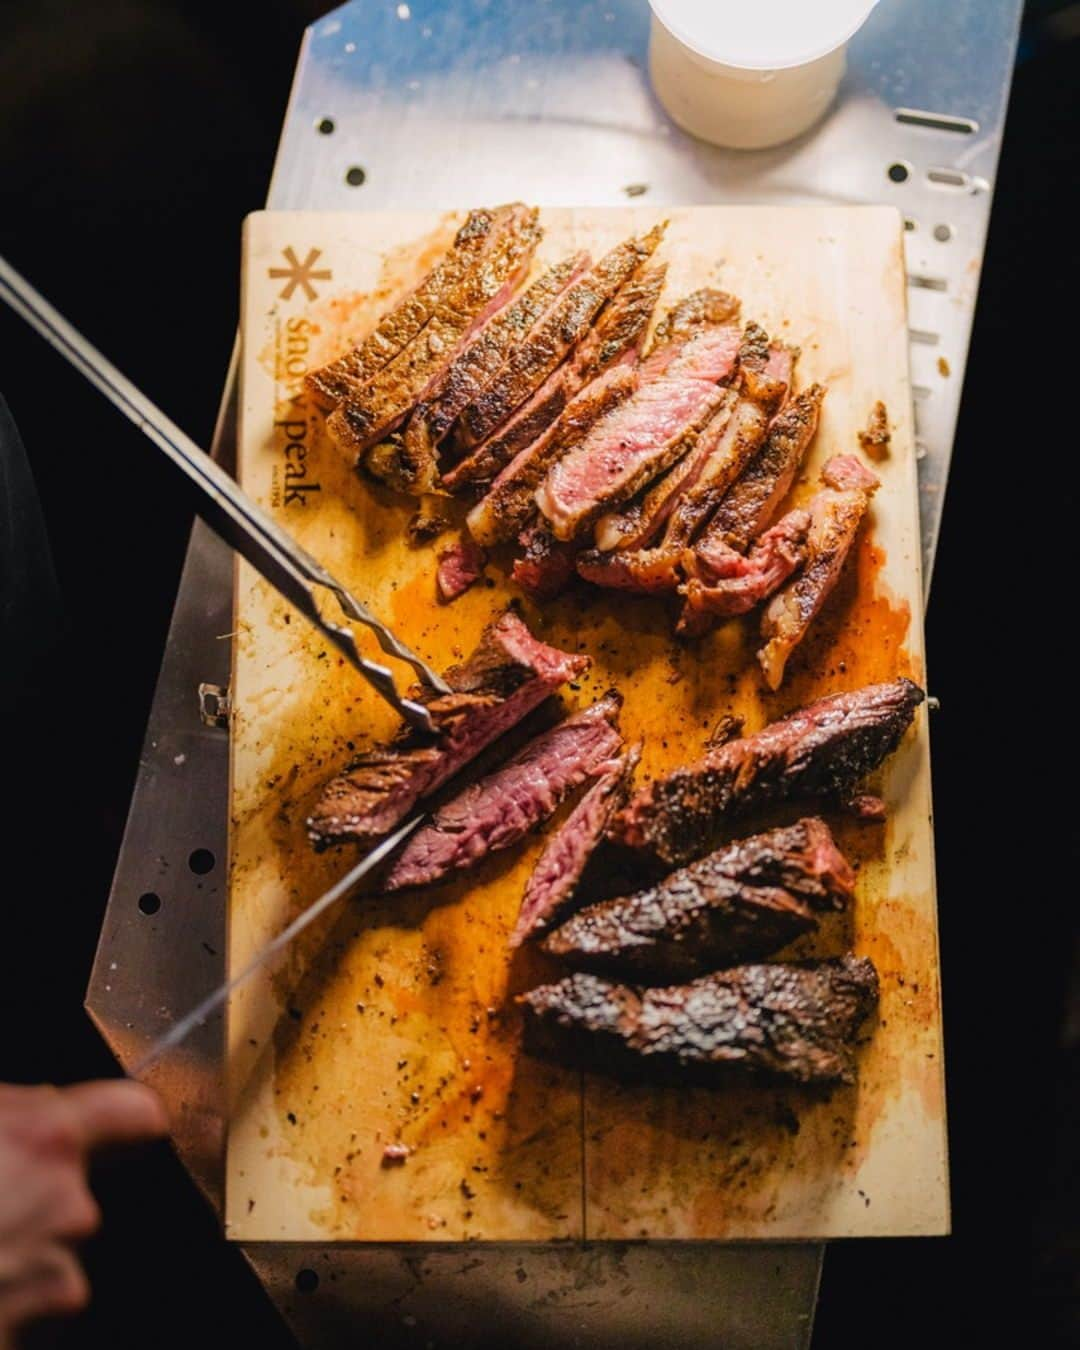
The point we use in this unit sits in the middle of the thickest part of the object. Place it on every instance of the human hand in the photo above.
(46, 1137)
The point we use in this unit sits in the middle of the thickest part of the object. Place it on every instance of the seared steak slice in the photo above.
(718, 457)
(568, 321)
(511, 503)
(822, 750)
(753, 501)
(559, 868)
(700, 309)
(615, 339)
(504, 807)
(733, 583)
(788, 1020)
(625, 450)
(546, 564)
(471, 371)
(738, 904)
(835, 515)
(504, 679)
(396, 329)
(460, 564)
(370, 411)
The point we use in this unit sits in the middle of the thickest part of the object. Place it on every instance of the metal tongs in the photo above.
(230, 512)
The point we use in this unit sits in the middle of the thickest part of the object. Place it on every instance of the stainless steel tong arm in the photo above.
(239, 520)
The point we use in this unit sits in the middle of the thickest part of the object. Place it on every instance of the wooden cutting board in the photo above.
(395, 1021)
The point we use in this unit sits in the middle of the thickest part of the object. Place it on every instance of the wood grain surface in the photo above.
(395, 1020)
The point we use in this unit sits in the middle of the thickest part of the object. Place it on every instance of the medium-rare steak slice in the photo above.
(625, 450)
(546, 564)
(460, 565)
(738, 904)
(511, 502)
(733, 583)
(473, 369)
(559, 868)
(616, 339)
(329, 385)
(723, 455)
(753, 500)
(506, 677)
(370, 411)
(822, 750)
(700, 309)
(551, 341)
(521, 794)
(835, 515)
(788, 1020)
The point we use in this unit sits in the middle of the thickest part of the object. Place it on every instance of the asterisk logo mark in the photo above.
(300, 274)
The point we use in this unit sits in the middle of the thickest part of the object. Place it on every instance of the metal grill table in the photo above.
(451, 103)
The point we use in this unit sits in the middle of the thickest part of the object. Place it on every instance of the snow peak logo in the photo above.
(291, 481)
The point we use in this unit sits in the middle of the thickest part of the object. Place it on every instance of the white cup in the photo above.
(750, 73)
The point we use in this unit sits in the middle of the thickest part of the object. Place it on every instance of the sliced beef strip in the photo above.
(510, 503)
(835, 515)
(567, 323)
(615, 340)
(746, 580)
(705, 308)
(561, 865)
(396, 329)
(506, 677)
(545, 565)
(474, 367)
(822, 750)
(460, 565)
(752, 502)
(795, 1021)
(371, 411)
(509, 803)
(738, 904)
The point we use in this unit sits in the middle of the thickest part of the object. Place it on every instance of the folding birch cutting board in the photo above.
(396, 1021)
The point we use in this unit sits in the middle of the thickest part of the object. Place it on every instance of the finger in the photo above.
(51, 1283)
(117, 1112)
(75, 1215)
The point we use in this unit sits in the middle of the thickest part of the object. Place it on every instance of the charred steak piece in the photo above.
(506, 677)
(733, 583)
(521, 794)
(700, 309)
(615, 339)
(794, 1021)
(559, 868)
(752, 502)
(835, 515)
(822, 750)
(738, 904)
(546, 565)
(370, 411)
(396, 329)
(473, 369)
(562, 328)
(511, 502)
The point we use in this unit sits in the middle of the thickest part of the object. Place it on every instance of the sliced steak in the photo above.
(700, 309)
(793, 1021)
(395, 330)
(822, 750)
(625, 450)
(734, 583)
(724, 453)
(460, 565)
(738, 904)
(616, 339)
(508, 804)
(511, 502)
(504, 679)
(752, 502)
(476, 366)
(370, 411)
(559, 868)
(546, 565)
(835, 515)
(549, 343)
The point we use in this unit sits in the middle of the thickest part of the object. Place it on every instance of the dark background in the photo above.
(134, 137)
